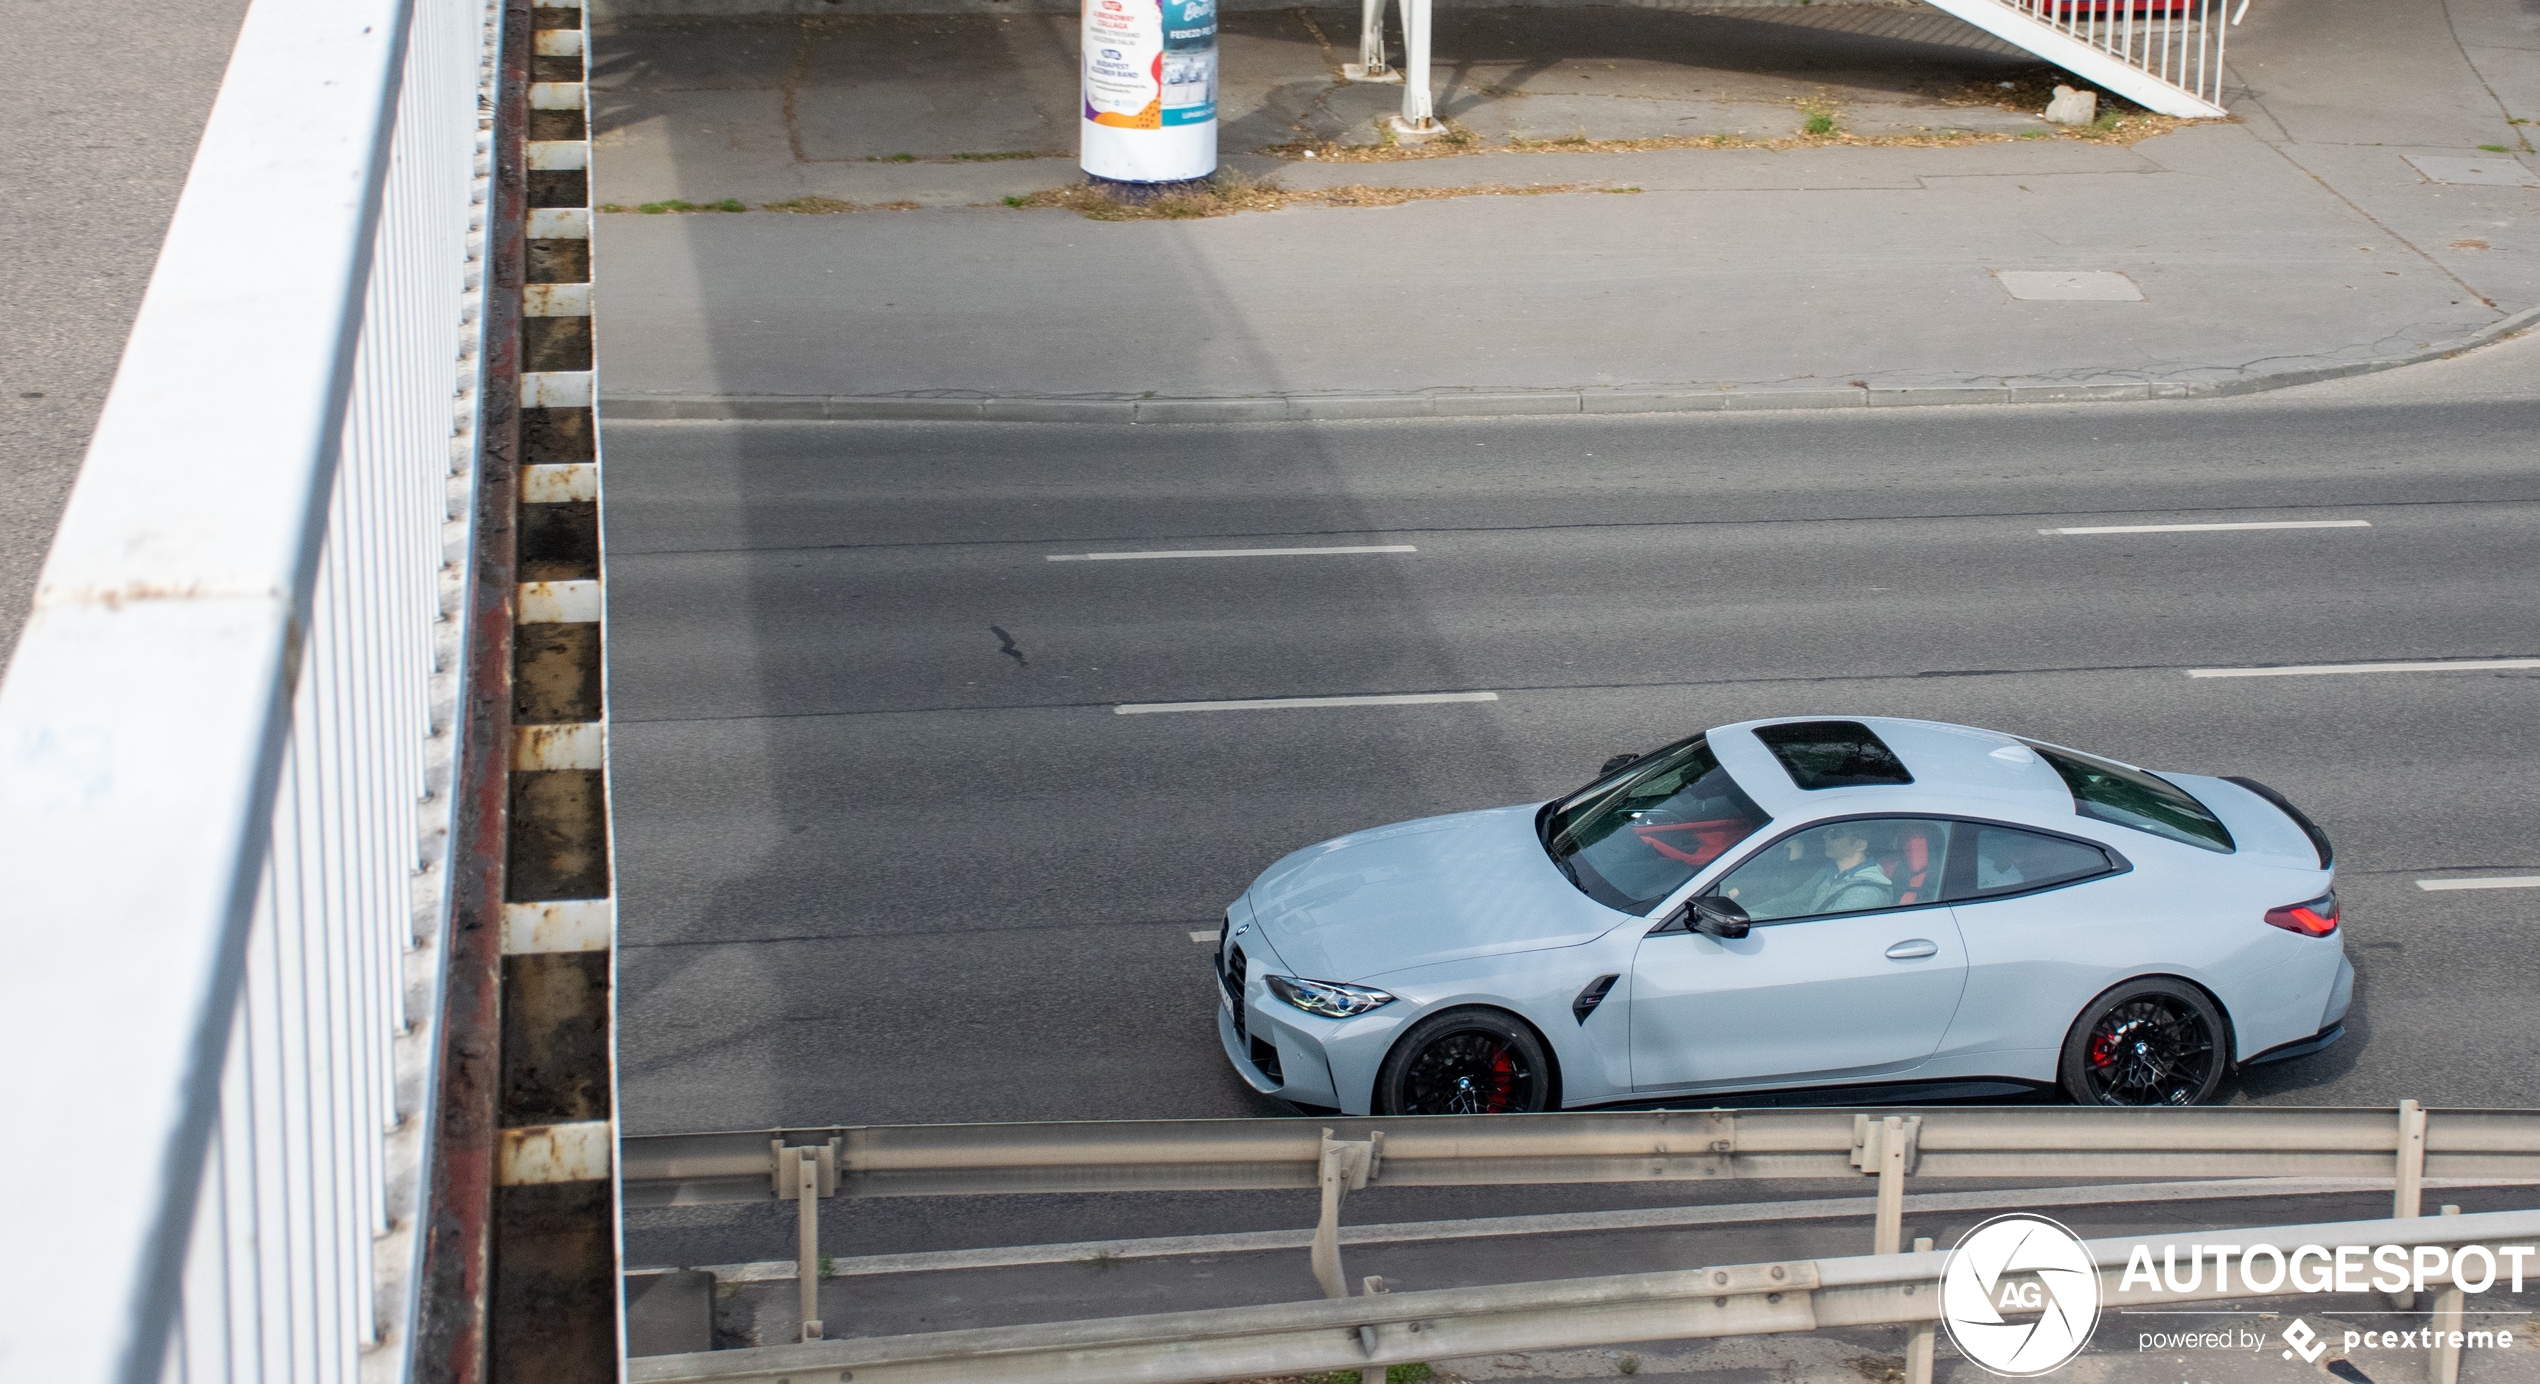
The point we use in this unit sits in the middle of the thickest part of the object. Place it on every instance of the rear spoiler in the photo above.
(2311, 829)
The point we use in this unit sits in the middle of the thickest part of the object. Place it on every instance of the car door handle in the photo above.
(1913, 948)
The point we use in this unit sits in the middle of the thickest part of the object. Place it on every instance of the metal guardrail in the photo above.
(1482, 1150)
(225, 736)
(1382, 1328)
(807, 1166)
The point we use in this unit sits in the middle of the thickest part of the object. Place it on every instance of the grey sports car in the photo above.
(1877, 904)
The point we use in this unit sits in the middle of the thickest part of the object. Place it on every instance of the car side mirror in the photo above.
(1714, 916)
(1616, 762)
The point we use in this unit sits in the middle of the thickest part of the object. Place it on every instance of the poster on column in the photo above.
(1150, 90)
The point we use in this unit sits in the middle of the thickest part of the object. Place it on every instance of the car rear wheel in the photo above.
(2147, 1042)
(1465, 1062)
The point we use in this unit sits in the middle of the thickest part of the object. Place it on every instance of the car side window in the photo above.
(1843, 867)
(2007, 860)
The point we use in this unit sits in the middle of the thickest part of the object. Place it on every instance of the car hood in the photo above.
(1441, 888)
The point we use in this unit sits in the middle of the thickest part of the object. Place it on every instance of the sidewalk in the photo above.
(2347, 218)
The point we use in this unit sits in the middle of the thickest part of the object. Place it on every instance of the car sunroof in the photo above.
(1833, 754)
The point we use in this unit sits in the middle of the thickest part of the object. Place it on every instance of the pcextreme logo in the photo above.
(2019, 1264)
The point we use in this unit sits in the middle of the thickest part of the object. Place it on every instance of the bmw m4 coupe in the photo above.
(1876, 904)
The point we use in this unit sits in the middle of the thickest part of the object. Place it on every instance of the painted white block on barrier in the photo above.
(557, 96)
(559, 925)
(559, 155)
(559, 602)
(555, 300)
(557, 1153)
(555, 389)
(571, 745)
(559, 482)
(560, 223)
(559, 43)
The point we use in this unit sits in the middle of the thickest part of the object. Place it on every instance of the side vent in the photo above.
(1591, 997)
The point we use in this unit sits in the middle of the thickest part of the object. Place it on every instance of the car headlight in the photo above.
(1326, 999)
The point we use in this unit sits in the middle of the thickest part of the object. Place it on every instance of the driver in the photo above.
(1845, 879)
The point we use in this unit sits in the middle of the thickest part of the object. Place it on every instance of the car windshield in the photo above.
(2108, 792)
(1635, 836)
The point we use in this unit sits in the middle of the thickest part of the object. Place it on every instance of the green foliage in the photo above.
(1394, 1374)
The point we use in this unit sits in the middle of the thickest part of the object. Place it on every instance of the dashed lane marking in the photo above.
(1286, 703)
(2455, 665)
(1229, 552)
(2221, 528)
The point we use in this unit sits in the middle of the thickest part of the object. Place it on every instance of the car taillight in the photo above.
(2317, 918)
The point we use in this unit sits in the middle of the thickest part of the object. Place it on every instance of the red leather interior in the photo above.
(1913, 866)
(1695, 843)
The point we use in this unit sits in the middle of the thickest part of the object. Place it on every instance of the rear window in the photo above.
(1833, 754)
(1630, 839)
(2010, 861)
(2107, 792)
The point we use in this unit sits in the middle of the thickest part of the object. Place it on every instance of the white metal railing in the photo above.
(2164, 55)
(226, 735)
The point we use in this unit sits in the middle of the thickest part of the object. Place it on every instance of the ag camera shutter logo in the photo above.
(2020, 1264)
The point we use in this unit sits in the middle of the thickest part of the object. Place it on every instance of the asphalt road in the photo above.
(888, 854)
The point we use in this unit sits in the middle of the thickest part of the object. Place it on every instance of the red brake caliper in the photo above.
(1503, 1071)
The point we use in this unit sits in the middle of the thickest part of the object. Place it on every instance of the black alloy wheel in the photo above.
(2147, 1042)
(1465, 1062)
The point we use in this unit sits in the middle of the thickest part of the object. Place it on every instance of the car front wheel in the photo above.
(2146, 1042)
(1465, 1062)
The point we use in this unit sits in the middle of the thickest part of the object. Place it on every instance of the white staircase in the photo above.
(2163, 55)
(2168, 62)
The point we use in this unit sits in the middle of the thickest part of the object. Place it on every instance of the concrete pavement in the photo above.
(101, 104)
(2311, 235)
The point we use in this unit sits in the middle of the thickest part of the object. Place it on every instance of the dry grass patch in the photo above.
(1234, 193)
(831, 206)
(1821, 126)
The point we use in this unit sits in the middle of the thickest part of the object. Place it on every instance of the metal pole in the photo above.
(1889, 1236)
(1419, 116)
(1370, 66)
(2445, 1367)
(807, 1248)
(1918, 1346)
(2407, 1199)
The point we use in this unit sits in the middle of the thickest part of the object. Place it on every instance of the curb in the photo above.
(1482, 403)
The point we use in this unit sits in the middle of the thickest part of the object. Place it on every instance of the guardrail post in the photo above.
(2445, 1367)
(803, 1175)
(807, 1241)
(2407, 1199)
(1918, 1346)
(1346, 1168)
(1889, 1237)
(1890, 1160)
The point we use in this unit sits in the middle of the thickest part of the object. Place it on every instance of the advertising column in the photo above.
(1150, 90)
